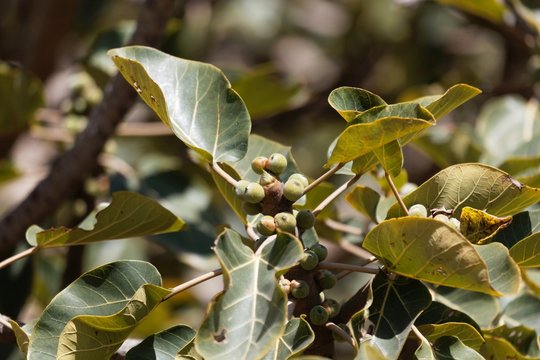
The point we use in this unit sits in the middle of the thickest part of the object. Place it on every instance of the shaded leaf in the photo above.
(467, 334)
(391, 157)
(128, 215)
(163, 345)
(400, 110)
(194, 99)
(523, 224)
(451, 347)
(22, 337)
(365, 200)
(480, 227)
(497, 348)
(526, 253)
(103, 291)
(476, 185)
(296, 338)
(424, 350)
(351, 101)
(364, 163)
(523, 310)
(250, 315)
(521, 337)
(430, 250)
(363, 300)
(438, 313)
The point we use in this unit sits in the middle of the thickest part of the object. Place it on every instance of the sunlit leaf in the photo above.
(497, 348)
(194, 99)
(526, 253)
(163, 345)
(390, 157)
(524, 339)
(22, 337)
(480, 227)
(451, 347)
(296, 338)
(467, 334)
(441, 105)
(128, 215)
(249, 317)
(103, 292)
(491, 10)
(430, 250)
(476, 185)
(351, 101)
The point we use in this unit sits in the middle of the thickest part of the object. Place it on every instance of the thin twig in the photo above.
(396, 193)
(335, 194)
(348, 267)
(339, 226)
(4, 322)
(18, 256)
(223, 174)
(251, 233)
(196, 281)
(323, 177)
(341, 333)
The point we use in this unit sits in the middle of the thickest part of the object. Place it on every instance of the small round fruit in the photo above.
(254, 193)
(320, 250)
(332, 307)
(258, 164)
(285, 285)
(455, 223)
(299, 289)
(442, 218)
(325, 279)
(293, 190)
(276, 163)
(305, 219)
(318, 315)
(418, 210)
(240, 187)
(266, 225)
(252, 209)
(285, 222)
(309, 261)
(300, 177)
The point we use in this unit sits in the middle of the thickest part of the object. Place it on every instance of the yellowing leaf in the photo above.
(480, 227)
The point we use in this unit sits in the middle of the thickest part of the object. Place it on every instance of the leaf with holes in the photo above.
(476, 185)
(250, 315)
(163, 345)
(194, 99)
(350, 101)
(296, 338)
(128, 215)
(99, 293)
(430, 250)
(523, 338)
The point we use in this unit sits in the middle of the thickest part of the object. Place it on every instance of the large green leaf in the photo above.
(523, 310)
(350, 101)
(396, 304)
(296, 338)
(526, 253)
(390, 157)
(463, 331)
(128, 215)
(441, 105)
(476, 185)
(452, 348)
(98, 336)
(194, 99)
(247, 319)
(497, 348)
(365, 200)
(439, 313)
(101, 292)
(430, 250)
(523, 338)
(400, 110)
(163, 345)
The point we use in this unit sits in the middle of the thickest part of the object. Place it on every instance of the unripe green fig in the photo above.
(455, 223)
(266, 225)
(266, 179)
(299, 289)
(320, 250)
(299, 177)
(418, 210)
(285, 285)
(318, 315)
(332, 307)
(325, 279)
(305, 219)
(309, 261)
(293, 190)
(252, 209)
(258, 164)
(285, 222)
(276, 163)
(240, 187)
(254, 193)
(442, 218)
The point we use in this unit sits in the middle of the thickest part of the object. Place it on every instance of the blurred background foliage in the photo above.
(283, 57)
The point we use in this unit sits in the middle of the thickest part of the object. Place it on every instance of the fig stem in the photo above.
(396, 193)
(228, 178)
(335, 194)
(195, 281)
(323, 177)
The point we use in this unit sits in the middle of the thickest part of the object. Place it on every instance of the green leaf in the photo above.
(194, 99)
(365, 200)
(439, 313)
(351, 101)
(526, 253)
(497, 348)
(524, 339)
(476, 185)
(128, 215)
(364, 163)
(163, 345)
(430, 250)
(454, 97)
(98, 336)
(400, 110)
(491, 10)
(391, 157)
(296, 338)
(479, 227)
(523, 224)
(466, 333)
(250, 316)
(101, 292)
(524, 310)
(396, 304)
(451, 348)
(22, 337)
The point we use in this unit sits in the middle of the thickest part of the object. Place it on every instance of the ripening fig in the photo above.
(285, 222)
(276, 163)
(309, 261)
(252, 209)
(254, 193)
(293, 189)
(305, 219)
(299, 289)
(285, 285)
(299, 177)
(455, 223)
(258, 164)
(318, 315)
(240, 187)
(320, 250)
(332, 307)
(266, 179)
(325, 279)
(442, 218)
(418, 210)
(266, 225)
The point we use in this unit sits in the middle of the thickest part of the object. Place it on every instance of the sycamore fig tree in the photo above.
(436, 259)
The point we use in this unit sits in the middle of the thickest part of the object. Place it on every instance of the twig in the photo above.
(396, 193)
(251, 233)
(339, 226)
(335, 194)
(341, 333)
(323, 177)
(4, 322)
(18, 256)
(223, 174)
(347, 267)
(196, 281)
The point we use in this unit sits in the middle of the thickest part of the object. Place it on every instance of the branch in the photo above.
(335, 194)
(323, 177)
(347, 267)
(228, 178)
(18, 256)
(396, 193)
(70, 170)
(196, 281)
